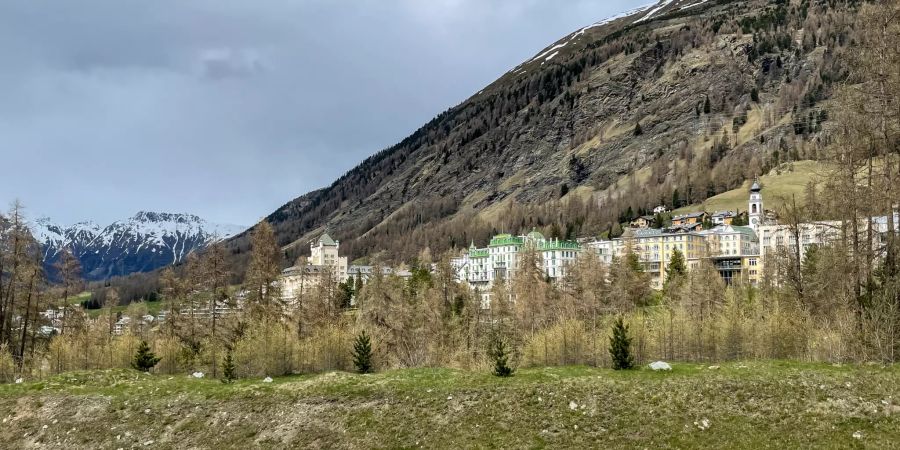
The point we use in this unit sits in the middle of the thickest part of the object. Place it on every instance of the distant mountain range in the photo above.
(144, 242)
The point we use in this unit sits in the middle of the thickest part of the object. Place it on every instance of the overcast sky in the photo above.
(230, 108)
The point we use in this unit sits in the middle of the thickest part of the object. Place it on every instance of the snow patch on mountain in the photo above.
(144, 242)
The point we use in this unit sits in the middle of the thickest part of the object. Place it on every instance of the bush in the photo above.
(362, 353)
(620, 346)
(568, 341)
(144, 359)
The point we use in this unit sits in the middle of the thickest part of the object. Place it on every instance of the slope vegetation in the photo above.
(684, 95)
(739, 405)
(784, 183)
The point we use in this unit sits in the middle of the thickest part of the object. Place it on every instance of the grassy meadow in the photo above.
(770, 404)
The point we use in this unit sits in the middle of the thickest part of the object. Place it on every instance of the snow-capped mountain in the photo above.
(144, 242)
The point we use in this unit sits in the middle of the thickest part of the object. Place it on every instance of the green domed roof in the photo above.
(536, 235)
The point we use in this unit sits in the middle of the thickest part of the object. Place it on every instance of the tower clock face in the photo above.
(754, 221)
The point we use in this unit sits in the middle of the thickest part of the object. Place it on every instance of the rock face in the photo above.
(144, 242)
(650, 93)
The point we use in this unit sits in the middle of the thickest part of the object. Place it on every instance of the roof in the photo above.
(326, 240)
(536, 235)
(505, 239)
(297, 270)
(724, 214)
(683, 228)
(689, 215)
(755, 187)
(647, 232)
(731, 229)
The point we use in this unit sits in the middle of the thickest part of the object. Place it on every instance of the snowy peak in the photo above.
(633, 17)
(146, 241)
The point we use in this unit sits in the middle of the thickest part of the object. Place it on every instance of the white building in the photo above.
(324, 258)
(775, 238)
(325, 252)
(481, 267)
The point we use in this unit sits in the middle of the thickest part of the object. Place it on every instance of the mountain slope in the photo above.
(142, 243)
(674, 102)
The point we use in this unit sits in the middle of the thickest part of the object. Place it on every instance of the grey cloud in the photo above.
(224, 63)
(229, 108)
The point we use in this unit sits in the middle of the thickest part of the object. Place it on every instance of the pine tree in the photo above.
(144, 359)
(228, 375)
(706, 106)
(620, 346)
(500, 357)
(638, 130)
(362, 353)
(676, 267)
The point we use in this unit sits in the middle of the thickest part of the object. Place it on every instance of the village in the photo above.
(739, 254)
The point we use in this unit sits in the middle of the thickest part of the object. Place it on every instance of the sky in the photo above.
(230, 108)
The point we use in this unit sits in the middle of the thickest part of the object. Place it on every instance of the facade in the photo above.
(324, 252)
(689, 219)
(654, 249)
(723, 217)
(324, 258)
(481, 267)
(642, 222)
(727, 240)
(782, 238)
(734, 251)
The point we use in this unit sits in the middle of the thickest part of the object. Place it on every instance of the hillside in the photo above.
(779, 185)
(142, 243)
(740, 405)
(686, 96)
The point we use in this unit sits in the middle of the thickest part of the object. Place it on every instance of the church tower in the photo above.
(755, 212)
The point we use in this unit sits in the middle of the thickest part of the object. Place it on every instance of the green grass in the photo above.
(778, 186)
(747, 405)
(77, 299)
(152, 308)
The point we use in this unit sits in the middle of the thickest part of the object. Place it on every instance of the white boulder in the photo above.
(197, 374)
(267, 380)
(660, 365)
(19, 380)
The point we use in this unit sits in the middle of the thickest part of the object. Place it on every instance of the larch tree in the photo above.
(68, 269)
(216, 277)
(263, 292)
